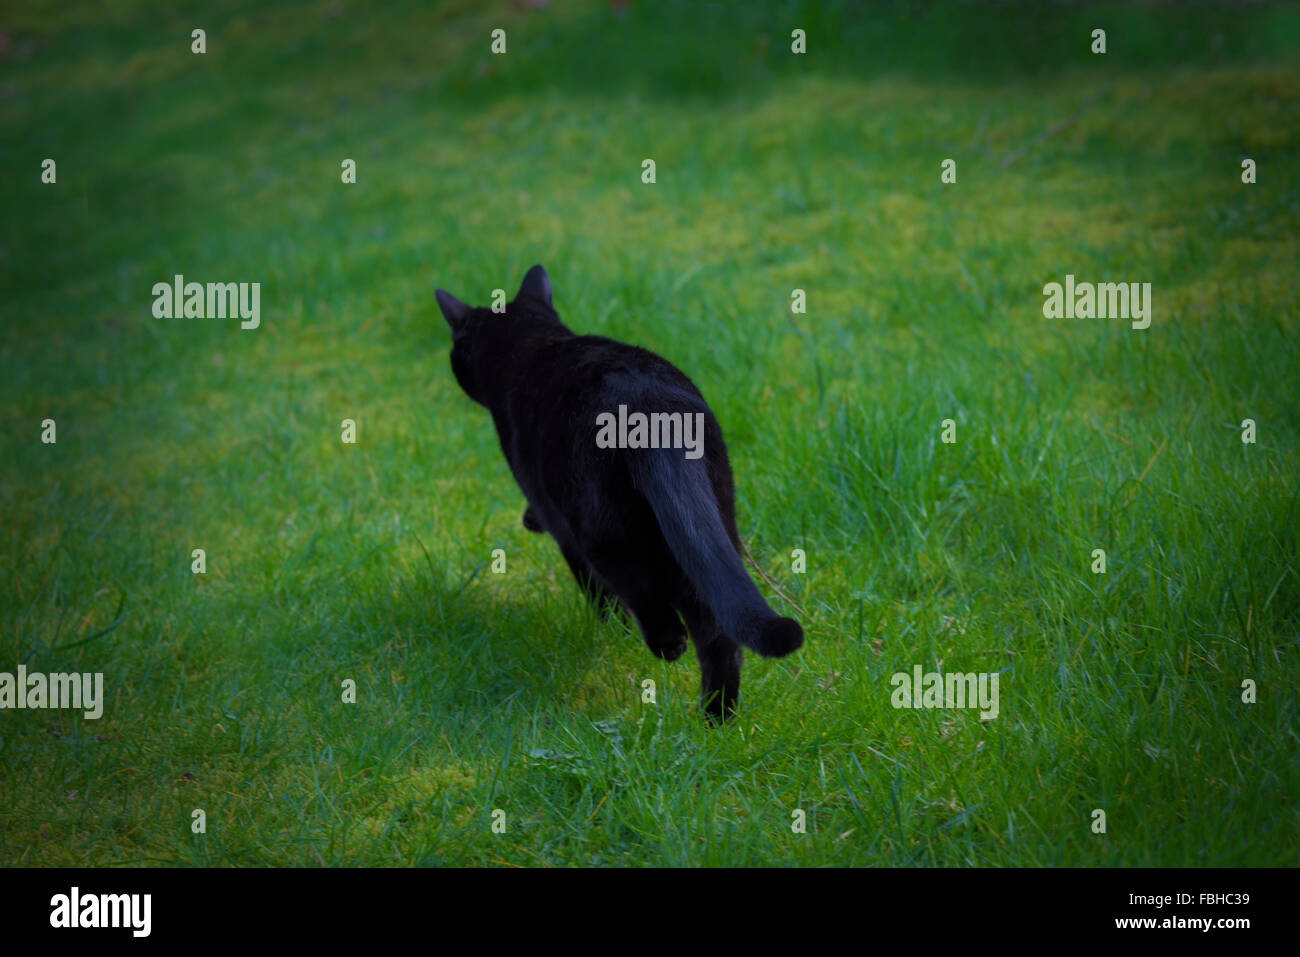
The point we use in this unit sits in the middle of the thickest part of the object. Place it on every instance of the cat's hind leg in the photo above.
(720, 658)
(603, 600)
(644, 587)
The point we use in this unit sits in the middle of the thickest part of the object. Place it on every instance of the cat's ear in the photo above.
(536, 284)
(453, 310)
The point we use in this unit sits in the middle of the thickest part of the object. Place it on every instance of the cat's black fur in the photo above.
(647, 528)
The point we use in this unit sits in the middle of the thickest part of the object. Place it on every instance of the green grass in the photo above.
(479, 691)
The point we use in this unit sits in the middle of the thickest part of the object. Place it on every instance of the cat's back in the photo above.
(596, 371)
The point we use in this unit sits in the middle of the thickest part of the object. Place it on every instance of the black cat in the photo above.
(652, 528)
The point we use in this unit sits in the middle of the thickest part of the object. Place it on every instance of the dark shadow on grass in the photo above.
(474, 654)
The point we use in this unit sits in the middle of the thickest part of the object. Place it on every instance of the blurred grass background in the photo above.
(775, 171)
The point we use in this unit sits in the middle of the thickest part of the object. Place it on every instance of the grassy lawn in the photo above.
(371, 561)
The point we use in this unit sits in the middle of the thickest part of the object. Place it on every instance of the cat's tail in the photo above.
(683, 500)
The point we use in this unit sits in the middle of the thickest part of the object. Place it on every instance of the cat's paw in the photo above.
(530, 520)
(719, 708)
